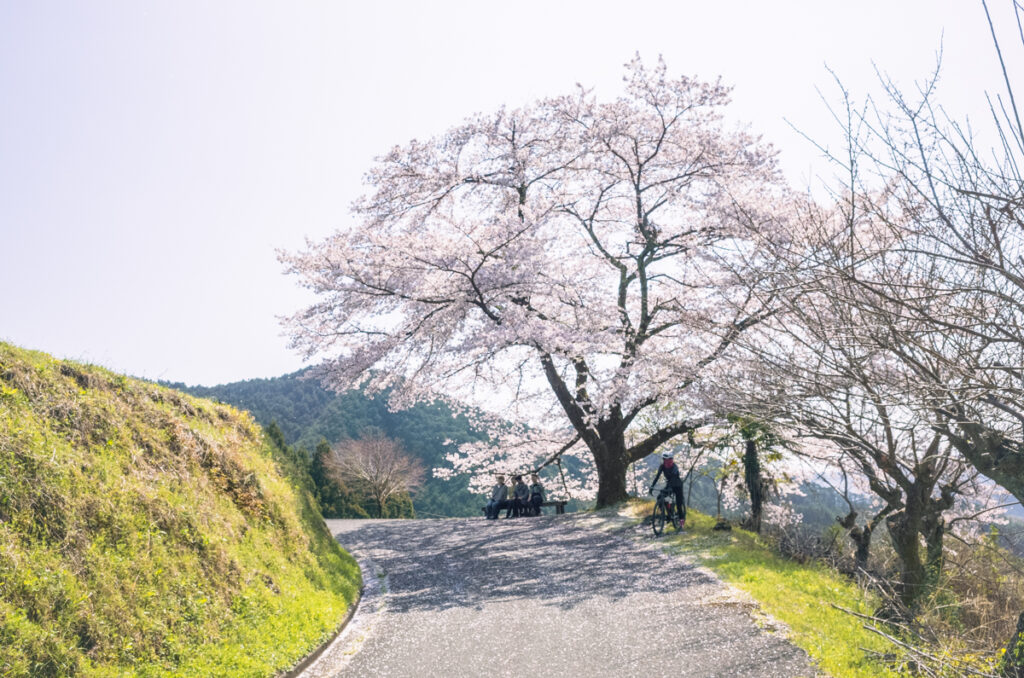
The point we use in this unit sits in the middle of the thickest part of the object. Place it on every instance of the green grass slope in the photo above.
(146, 532)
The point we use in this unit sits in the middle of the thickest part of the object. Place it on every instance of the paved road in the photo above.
(548, 596)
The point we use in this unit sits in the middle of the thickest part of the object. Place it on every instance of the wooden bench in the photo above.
(559, 505)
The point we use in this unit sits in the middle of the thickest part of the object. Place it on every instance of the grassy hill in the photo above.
(147, 532)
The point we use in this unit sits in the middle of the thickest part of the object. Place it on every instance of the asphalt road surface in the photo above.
(551, 596)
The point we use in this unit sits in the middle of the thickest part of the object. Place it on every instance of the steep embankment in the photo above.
(147, 532)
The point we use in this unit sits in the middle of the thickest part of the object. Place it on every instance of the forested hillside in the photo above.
(148, 532)
(308, 414)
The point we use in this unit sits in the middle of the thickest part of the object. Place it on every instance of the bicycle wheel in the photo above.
(675, 520)
(658, 519)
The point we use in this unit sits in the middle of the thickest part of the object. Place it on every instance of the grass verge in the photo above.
(798, 595)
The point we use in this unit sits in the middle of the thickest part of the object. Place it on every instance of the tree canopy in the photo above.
(571, 263)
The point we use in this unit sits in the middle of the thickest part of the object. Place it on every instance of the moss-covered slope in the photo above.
(147, 532)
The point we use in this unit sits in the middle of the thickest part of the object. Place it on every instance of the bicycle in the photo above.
(664, 511)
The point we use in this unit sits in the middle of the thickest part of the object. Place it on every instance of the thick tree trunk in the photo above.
(606, 441)
(612, 463)
(905, 532)
(934, 531)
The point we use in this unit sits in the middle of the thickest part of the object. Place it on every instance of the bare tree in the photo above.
(954, 215)
(946, 217)
(841, 364)
(377, 463)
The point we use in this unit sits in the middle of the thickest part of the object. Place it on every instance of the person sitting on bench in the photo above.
(499, 499)
(520, 497)
(536, 494)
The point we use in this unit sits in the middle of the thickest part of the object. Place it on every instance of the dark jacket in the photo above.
(672, 477)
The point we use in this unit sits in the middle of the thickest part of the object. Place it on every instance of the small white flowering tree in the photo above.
(378, 464)
(571, 263)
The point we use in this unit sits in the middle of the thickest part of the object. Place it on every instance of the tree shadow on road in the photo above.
(460, 563)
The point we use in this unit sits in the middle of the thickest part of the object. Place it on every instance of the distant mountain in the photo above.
(307, 413)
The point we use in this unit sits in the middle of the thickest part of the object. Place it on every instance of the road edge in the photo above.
(299, 668)
(310, 659)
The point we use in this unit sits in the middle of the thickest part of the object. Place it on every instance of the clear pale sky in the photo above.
(154, 155)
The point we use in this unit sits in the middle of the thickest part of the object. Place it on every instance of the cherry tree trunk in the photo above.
(611, 462)
(755, 484)
(861, 537)
(934, 531)
(905, 530)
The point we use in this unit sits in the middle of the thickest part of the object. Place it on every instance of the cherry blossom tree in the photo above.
(571, 264)
(517, 449)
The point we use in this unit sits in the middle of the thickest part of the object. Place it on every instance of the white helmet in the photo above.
(668, 454)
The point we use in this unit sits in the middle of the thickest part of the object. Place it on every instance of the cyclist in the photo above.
(673, 481)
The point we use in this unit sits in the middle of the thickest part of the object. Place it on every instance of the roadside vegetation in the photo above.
(146, 532)
(830, 613)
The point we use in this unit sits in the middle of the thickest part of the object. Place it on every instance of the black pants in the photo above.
(517, 507)
(535, 501)
(677, 490)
